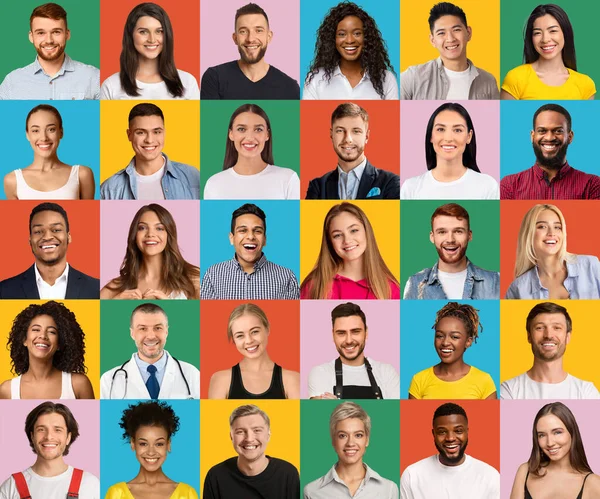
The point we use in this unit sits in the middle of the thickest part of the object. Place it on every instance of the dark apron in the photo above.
(353, 391)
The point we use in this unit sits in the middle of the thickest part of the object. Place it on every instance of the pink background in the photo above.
(217, 47)
(115, 218)
(316, 340)
(16, 452)
(414, 116)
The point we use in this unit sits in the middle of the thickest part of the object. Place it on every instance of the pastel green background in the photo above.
(417, 250)
(214, 122)
(583, 15)
(83, 19)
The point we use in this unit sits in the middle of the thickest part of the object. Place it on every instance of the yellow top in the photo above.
(121, 491)
(524, 84)
(475, 385)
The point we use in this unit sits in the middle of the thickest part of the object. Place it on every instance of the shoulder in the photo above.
(485, 274)
(82, 66)
(582, 80)
(115, 179)
(80, 381)
(522, 71)
(281, 171)
(283, 466)
(282, 76)
(187, 169)
(321, 369)
(15, 74)
(292, 376)
(421, 275)
(482, 178)
(223, 468)
(382, 366)
(275, 267)
(220, 378)
(412, 185)
(5, 392)
(485, 75)
(218, 268)
(419, 69)
(389, 77)
(76, 273)
(421, 467)
(117, 491)
(484, 467)
(186, 77)
(113, 81)
(593, 484)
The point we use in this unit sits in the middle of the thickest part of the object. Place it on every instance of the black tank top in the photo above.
(579, 496)
(237, 390)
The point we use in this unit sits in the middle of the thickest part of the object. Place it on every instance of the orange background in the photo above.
(185, 19)
(84, 225)
(416, 418)
(217, 354)
(581, 237)
(317, 156)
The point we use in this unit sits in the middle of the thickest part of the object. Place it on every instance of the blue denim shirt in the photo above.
(179, 182)
(479, 285)
(582, 282)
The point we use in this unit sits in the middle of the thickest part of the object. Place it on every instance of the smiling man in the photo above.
(250, 77)
(451, 76)
(51, 430)
(453, 277)
(249, 275)
(151, 175)
(549, 328)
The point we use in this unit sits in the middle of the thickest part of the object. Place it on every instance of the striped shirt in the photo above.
(533, 183)
(74, 81)
(269, 281)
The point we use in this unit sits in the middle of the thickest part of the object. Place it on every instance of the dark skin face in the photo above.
(451, 436)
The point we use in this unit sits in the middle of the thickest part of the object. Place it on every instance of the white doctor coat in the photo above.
(172, 386)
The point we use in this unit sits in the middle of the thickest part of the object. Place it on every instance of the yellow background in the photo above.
(214, 431)
(484, 48)
(182, 134)
(383, 215)
(87, 313)
(580, 358)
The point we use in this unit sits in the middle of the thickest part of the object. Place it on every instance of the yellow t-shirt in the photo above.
(121, 491)
(524, 84)
(475, 385)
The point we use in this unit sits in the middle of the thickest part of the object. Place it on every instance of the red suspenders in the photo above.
(23, 490)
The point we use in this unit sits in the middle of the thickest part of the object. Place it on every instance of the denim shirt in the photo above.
(179, 182)
(582, 282)
(479, 285)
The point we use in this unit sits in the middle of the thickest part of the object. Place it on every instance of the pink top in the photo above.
(343, 288)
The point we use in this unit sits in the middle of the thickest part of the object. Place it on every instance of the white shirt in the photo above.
(460, 84)
(52, 487)
(322, 378)
(149, 187)
(453, 283)
(111, 89)
(430, 479)
(523, 387)
(339, 88)
(52, 292)
(331, 486)
(471, 185)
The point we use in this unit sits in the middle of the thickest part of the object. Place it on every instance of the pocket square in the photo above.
(375, 191)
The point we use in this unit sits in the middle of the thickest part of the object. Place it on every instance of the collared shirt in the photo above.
(348, 182)
(179, 182)
(533, 183)
(338, 87)
(269, 281)
(52, 292)
(331, 486)
(160, 365)
(74, 81)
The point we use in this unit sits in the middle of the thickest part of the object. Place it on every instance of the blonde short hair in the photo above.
(347, 410)
(248, 410)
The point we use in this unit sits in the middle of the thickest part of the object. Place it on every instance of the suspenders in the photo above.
(23, 490)
(339, 382)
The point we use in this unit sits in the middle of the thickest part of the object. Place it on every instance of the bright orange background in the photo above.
(185, 20)
(581, 238)
(217, 354)
(84, 225)
(417, 443)
(317, 156)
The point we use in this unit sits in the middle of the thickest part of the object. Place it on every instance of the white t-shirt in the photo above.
(274, 182)
(523, 387)
(53, 487)
(111, 89)
(430, 479)
(471, 185)
(339, 88)
(149, 187)
(453, 283)
(460, 84)
(322, 378)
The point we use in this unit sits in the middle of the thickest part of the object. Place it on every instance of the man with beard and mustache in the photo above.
(53, 75)
(250, 77)
(549, 328)
(354, 177)
(451, 474)
(454, 276)
(551, 177)
(352, 375)
(50, 277)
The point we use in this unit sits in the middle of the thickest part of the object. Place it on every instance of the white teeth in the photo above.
(448, 148)
(49, 246)
(151, 459)
(350, 248)
(250, 447)
(446, 350)
(151, 243)
(451, 47)
(250, 246)
(252, 349)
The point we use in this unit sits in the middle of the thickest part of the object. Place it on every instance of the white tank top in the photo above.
(67, 392)
(68, 191)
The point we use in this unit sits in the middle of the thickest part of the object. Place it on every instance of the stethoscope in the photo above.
(122, 369)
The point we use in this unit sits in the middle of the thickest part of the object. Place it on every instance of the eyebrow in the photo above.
(456, 124)
(148, 129)
(451, 27)
(41, 225)
(549, 27)
(252, 227)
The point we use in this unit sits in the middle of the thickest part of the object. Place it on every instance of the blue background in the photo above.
(416, 341)
(79, 146)
(312, 13)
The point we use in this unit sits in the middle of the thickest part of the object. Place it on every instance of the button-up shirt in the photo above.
(348, 182)
(56, 291)
(160, 365)
(338, 87)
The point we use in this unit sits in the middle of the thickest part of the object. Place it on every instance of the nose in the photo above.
(348, 137)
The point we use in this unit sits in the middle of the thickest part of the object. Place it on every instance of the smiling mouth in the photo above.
(249, 147)
(350, 248)
(452, 47)
(551, 242)
(446, 350)
(151, 460)
(151, 47)
(150, 243)
(452, 448)
(249, 447)
(351, 452)
(43, 346)
(350, 50)
(46, 247)
(548, 48)
(250, 247)
(49, 446)
(553, 451)
(252, 349)
(450, 249)
(149, 148)
(44, 147)
(448, 148)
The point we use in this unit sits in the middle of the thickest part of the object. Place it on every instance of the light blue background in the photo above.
(79, 146)
(416, 341)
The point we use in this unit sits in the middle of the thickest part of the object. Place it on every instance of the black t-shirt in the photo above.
(227, 81)
(279, 480)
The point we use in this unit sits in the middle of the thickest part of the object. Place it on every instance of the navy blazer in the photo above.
(23, 286)
(374, 184)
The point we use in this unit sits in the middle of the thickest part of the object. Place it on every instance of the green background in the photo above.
(583, 15)
(117, 346)
(317, 455)
(214, 120)
(83, 19)
(419, 253)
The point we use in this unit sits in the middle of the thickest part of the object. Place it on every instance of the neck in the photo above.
(452, 368)
(50, 273)
(452, 268)
(149, 360)
(353, 269)
(49, 467)
(554, 65)
(147, 67)
(358, 361)
(351, 472)
(255, 71)
(348, 166)
(351, 67)
(150, 477)
(40, 370)
(460, 64)
(547, 372)
(249, 166)
(248, 266)
(445, 462)
(563, 465)
(551, 172)
(144, 167)
(52, 67)
(550, 266)
(258, 364)
(46, 164)
(151, 267)
(447, 171)
(252, 468)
